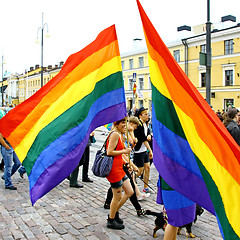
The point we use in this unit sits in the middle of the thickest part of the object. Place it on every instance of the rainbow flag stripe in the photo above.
(194, 152)
(108, 126)
(49, 131)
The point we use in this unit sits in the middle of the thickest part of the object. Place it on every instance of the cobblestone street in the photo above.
(70, 213)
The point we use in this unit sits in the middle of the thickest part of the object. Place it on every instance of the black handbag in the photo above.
(102, 164)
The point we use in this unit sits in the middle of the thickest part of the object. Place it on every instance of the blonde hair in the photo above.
(134, 120)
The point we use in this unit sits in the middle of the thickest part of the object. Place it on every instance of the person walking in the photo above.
(141, 155)
(85, 167)
(117, 177)
(9, 156)
(230, 121)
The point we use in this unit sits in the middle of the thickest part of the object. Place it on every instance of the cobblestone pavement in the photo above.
(70, 213)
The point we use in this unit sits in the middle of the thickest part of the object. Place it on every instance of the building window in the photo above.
(130, 84)
(140, 61)
(228, 46)
(229, 102)
(122, 62)
(141, 85)
(203, 79)
(149, 83)
(131, 63)
(203, 48)
(176, 55)
(229, 78)
(140, 103)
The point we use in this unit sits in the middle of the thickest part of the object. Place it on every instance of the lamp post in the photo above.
(3, 62)
(208, 54)
(47, 35)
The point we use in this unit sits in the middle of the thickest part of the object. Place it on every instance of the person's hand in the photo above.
(135, 140)
(135, 168)
(150, 155)
(127, 150)
(149, 138)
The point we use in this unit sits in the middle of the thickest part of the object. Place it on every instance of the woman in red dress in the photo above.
(117, 177)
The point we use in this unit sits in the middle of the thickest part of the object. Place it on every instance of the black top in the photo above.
(140, 135)
(234, 130)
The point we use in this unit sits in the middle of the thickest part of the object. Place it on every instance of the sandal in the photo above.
(141, 212)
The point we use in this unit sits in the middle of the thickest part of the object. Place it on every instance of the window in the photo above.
(228, 46)
(140, 103)
(228, 103)
(141, 85)
(122, 62)
(130, 84)
(229, 78)
(131, 63)
(140, 62)
(203, 79)
(203, 48)
(149, 83)
(176, 55)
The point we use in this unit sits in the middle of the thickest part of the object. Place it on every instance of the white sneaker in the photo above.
(143, 196)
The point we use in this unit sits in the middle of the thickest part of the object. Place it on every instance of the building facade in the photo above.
(225, 69)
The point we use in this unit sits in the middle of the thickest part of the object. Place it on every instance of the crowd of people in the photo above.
(130, 144)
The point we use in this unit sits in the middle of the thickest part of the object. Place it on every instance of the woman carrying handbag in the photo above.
(117, 177)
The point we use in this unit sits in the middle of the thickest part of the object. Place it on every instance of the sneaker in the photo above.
(146, 190)
(11, 188)
(143, 196)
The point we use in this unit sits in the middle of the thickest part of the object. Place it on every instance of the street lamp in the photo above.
(47, 35)
(3, 62)
(209, 57)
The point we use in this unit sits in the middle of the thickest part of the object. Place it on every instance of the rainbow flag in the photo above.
(194, 152)
(108, 126)
(49, 131)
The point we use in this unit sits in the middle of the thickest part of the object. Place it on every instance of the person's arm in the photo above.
(113, 140)
(3, 143)
(149, 149)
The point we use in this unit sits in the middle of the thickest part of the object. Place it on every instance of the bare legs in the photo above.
(170, 233)
(118, 198)
(146, 174)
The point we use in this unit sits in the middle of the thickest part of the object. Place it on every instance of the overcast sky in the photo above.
(73, 24)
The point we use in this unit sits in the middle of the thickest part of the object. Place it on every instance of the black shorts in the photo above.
(140, 158)
(119, 183)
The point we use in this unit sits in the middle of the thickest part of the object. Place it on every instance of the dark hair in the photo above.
(230, 114)
(121, 120)
(139, 111)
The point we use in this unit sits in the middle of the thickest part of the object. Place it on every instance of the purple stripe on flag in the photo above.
(52, 176)
(182, 216)
(181, 179)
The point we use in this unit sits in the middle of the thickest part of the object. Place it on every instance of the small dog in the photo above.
(160, 221)
(199, 211)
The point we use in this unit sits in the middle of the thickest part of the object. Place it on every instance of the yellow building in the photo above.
(225, 69)
(30, 82)
(136, 62)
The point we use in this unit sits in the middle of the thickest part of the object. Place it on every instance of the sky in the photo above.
(73, 24)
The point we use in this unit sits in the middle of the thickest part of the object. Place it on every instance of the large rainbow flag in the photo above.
(193, 151)
(49, 131)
